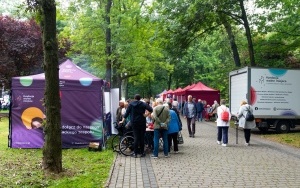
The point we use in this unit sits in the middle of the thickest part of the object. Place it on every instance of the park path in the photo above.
(202, 163)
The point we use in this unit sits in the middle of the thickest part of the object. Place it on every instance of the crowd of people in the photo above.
(162, 119)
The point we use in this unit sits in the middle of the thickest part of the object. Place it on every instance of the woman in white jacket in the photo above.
(223, 125)
(246, 125)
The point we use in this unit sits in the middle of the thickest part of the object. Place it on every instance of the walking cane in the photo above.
(236, 140)
(236, 123)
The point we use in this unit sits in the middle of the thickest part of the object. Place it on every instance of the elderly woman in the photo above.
(246, 125)
(223, 125)
(161, 116)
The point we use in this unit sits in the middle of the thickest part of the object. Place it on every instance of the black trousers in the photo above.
(247, 134)
(139, 140)
(173, 136)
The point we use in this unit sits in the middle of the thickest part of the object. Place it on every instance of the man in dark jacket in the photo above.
(136, 110)
(200, 108)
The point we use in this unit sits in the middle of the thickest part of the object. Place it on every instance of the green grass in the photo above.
(291, 139)
(22, 167)
(4, 111)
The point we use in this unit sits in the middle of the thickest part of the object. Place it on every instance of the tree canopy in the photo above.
(169, 44)
(21, 50)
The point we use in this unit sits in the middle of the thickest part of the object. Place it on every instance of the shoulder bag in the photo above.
(162, 125)
(179, 138)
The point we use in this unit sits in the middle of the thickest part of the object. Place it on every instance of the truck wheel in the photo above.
(283, 127)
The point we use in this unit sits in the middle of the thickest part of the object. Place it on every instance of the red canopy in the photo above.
(183, 91)
(170, 91)
(200, 87)
(177, 90)
(201, 91)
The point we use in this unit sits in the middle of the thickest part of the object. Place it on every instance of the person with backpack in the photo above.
(223, 122)
(246, 121)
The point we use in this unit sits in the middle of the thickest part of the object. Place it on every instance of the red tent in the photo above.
(176, 91)
(201, 91)
(183, 91)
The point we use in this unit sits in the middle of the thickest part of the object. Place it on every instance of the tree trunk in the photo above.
(108, 42)
(231, 38)
(52, 150)
(248, 33)
(149, 89)
(170, 81)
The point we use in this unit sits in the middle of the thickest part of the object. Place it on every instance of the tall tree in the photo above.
(248, 32)
(52, 150)
(278, 39)
(231, 37)
(108, 45)
(187, 21)
(131, 53)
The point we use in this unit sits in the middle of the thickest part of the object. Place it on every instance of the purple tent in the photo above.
(81, 109)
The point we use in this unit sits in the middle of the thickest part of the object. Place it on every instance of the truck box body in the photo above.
(273, 93)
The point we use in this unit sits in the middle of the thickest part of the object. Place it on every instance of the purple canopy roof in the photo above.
(70, 75)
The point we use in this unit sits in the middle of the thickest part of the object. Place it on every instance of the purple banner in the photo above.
(81, 112)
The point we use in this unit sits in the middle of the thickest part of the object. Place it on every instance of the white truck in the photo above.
(273, 93)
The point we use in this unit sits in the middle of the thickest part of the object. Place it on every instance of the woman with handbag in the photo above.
(173, 129)
(246, 125)
(161, 118)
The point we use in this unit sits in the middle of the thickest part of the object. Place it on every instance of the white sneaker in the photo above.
(176, 151)
(246, 144)
(218, 142)
(224, 145)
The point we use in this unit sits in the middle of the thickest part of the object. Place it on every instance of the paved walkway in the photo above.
(202, 163)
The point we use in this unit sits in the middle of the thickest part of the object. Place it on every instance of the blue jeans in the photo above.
(157, 134)
(223, 133)
(199, 116)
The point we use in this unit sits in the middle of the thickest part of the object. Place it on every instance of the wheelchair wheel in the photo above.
(126, 145)
(115, 143)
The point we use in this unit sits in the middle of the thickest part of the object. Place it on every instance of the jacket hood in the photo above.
(136, 103)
